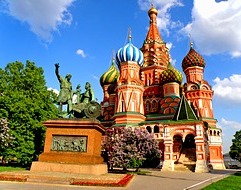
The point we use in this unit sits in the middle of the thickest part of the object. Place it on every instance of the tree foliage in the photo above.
(129, 148)
(26, 103)
(235, 149)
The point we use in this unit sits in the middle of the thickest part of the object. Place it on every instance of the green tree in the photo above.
(26, 103)
(235, 149)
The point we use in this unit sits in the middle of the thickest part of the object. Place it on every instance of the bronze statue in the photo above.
(88, 95)
(84, 106)
(66, 93)
(77, 95)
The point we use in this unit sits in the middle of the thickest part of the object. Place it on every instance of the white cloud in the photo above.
(169, 46)
(231, 124)
(229, 128)
(81, 53)
(43, 17)
(95, 77)
(54, 90)
(164, 21)
(228, 89)
(216, 27)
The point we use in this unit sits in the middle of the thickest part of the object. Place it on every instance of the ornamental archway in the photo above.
(184, 152)
(189, 141)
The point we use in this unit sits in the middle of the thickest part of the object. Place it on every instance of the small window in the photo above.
(156, 129)
(147, 106)
(148, 128)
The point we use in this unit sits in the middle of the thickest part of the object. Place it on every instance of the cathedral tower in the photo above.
(156, 60)
(200, 94)
(129, 110)
(197, 90)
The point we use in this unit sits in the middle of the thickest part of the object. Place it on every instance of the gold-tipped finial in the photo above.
(152, 10)
(129, 32)
(113, 55)
(190, 41)
(129, 35)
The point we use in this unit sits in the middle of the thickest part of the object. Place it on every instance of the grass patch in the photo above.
(10, 168)
(232, 182)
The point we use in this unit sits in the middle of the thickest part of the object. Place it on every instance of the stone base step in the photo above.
(184, 167)
(48, 180)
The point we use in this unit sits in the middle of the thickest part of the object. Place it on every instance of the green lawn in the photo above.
(9, 168)
(233, 182)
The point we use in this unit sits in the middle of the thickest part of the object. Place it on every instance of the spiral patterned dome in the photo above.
(110, 76)
(192, 59)
(171, 75)
(129, 53)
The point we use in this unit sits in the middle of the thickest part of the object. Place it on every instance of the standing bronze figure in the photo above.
(66, 93)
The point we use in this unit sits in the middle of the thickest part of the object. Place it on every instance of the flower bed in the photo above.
(121, 183)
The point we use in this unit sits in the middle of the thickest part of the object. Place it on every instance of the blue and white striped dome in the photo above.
(129, 53)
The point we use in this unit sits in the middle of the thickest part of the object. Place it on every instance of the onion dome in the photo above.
(110, 76)
(152, 11)
(129, 53)
(192, 59)
(171, 75)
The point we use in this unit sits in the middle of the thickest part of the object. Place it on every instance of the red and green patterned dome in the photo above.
(110, 76)
(171, 75)
(192, 59)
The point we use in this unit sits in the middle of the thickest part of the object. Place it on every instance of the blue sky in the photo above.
(81, 35)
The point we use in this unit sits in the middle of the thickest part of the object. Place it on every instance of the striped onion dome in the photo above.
(129, 53)
(171, 74)
(192, 59)
(110, 76)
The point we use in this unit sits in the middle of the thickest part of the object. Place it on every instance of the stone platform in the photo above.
(63, 178)
(92, 169)
(73, 146)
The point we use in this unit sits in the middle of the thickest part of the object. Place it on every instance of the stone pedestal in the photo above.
(168, 165)
(72, 145)
(201, 166)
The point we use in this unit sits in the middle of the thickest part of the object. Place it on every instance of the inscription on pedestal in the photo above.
(69, 143)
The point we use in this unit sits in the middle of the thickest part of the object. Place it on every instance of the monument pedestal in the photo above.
(73, 146)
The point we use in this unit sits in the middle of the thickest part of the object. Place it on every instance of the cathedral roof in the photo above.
(110, 76)
(192, 59)
(171, 74)
(184, 111)
(129, 53)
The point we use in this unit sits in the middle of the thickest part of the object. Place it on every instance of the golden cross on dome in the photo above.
(129, 32)
(190, 40)
(113, 54)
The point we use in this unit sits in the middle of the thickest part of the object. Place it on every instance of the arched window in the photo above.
(148, 128)
(147, 106)
(154, 106)
(211, 132)
(156, 129)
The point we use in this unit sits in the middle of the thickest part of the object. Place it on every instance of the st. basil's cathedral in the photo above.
(146, 91)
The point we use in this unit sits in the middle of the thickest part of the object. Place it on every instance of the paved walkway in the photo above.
(157, 180)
